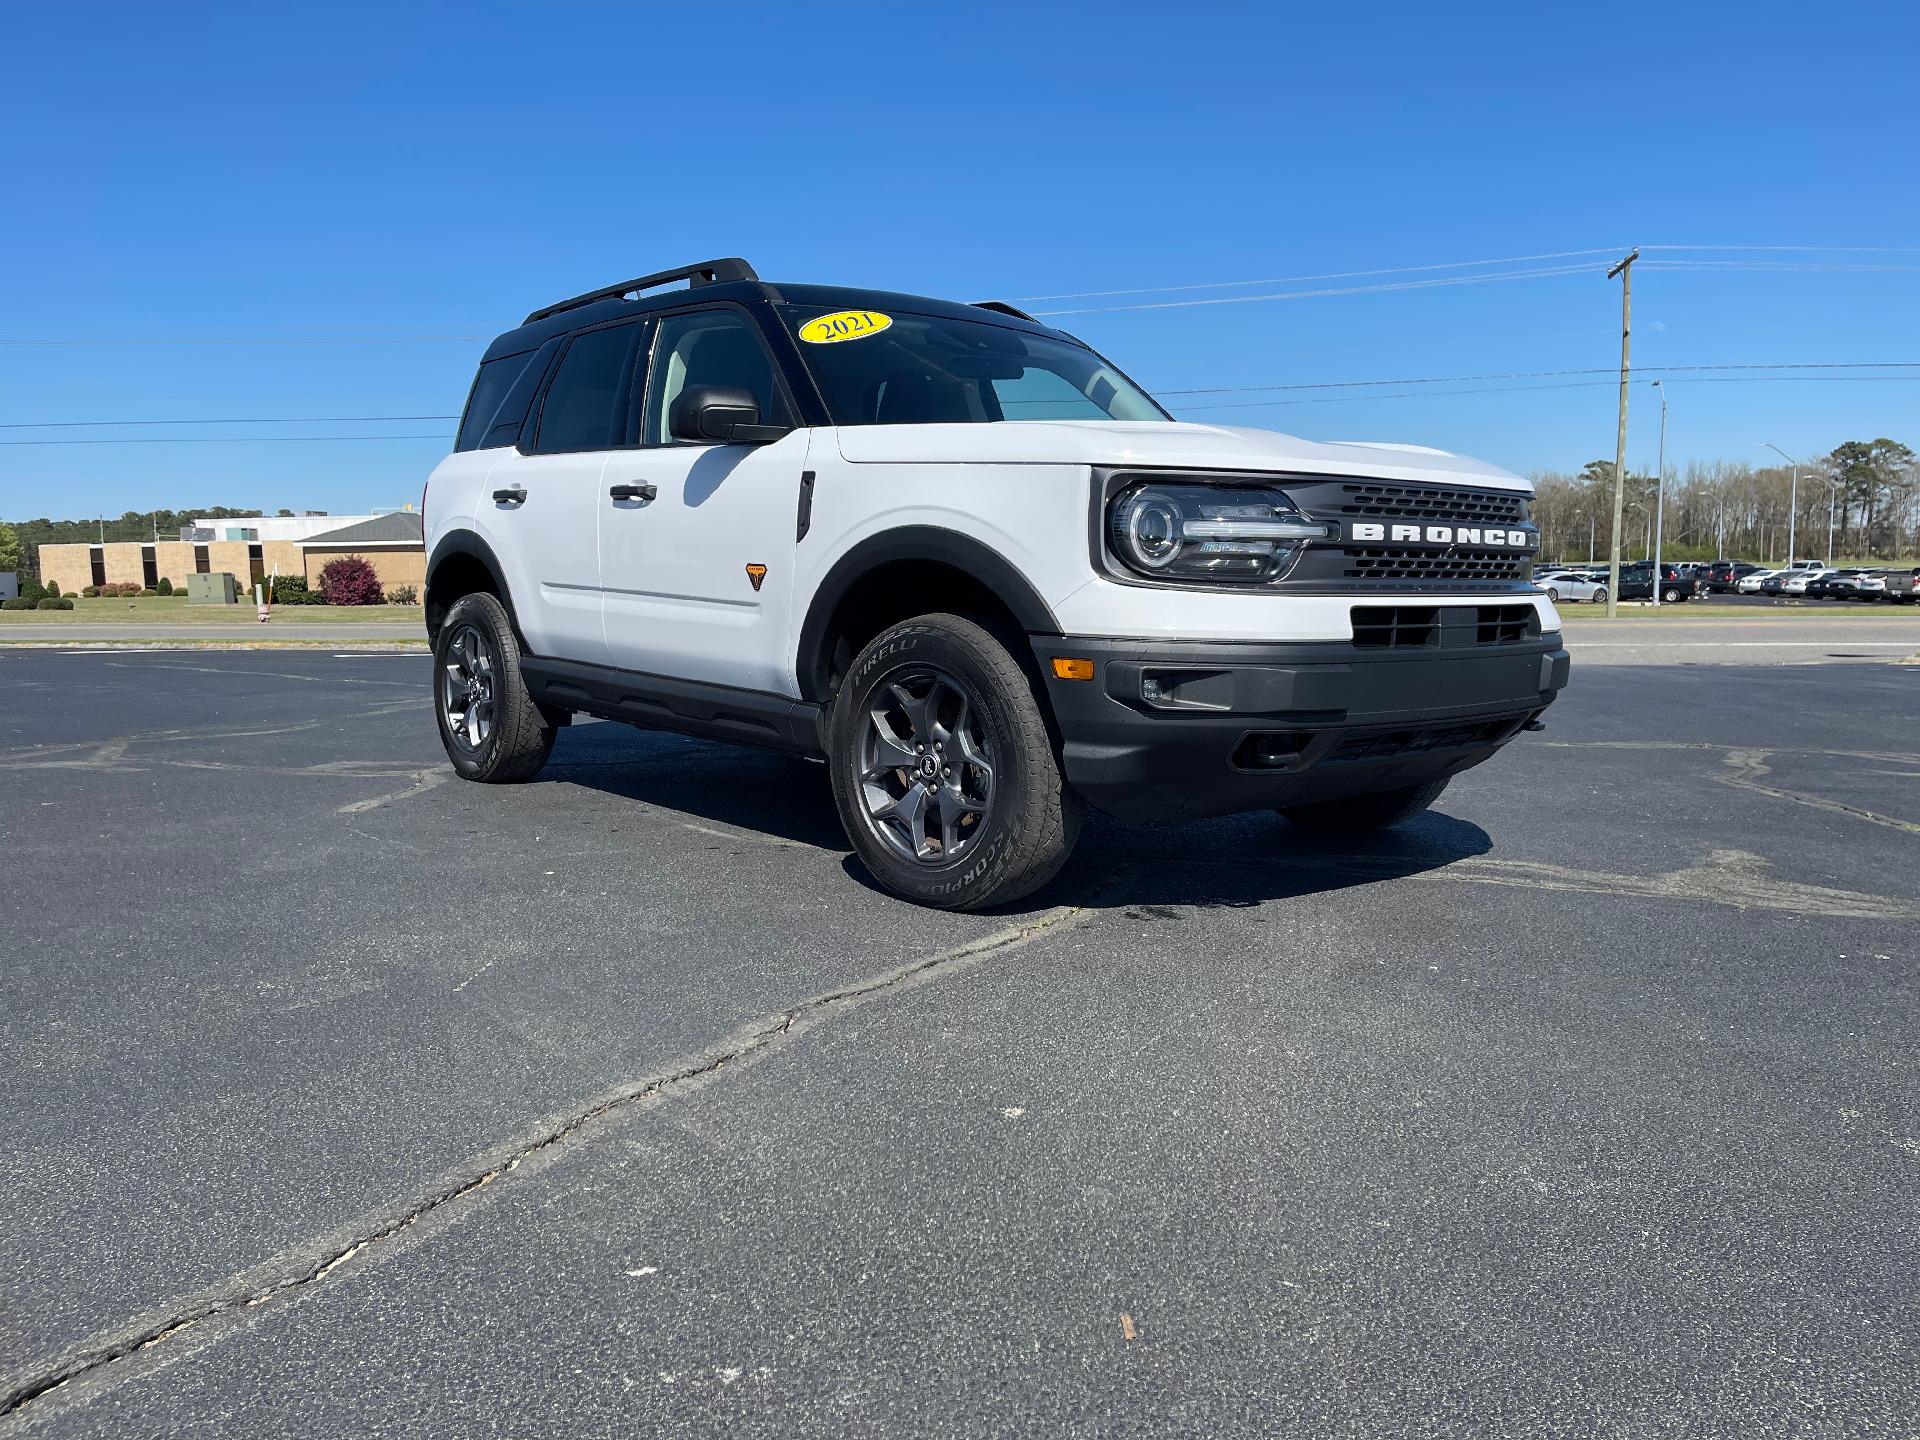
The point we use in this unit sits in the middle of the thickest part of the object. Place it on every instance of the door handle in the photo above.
(634, 492)
(513, 495)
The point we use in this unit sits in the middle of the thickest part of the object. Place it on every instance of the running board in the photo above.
(690, 707)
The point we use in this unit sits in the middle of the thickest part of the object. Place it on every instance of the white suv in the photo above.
(971, 565)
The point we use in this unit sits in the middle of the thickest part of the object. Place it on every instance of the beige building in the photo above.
(392, 543)
(133, 562)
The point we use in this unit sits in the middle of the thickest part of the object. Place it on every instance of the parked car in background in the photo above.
(1903, 586)
(1796, 581)
(1572, 585)
(1637, 583)
(1834, 585)
(1873, 584)
(1723, 576)
(1751, 584)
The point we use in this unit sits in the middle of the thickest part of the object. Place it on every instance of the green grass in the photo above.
(174, 610)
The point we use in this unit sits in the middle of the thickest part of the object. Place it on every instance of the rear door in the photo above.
(548, 496)
(697, 570)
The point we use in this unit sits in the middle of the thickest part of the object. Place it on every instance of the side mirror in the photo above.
(726, 413)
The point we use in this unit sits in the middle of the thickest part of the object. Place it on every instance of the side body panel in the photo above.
(679, 598)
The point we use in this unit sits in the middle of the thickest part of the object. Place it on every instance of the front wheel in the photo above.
(1356, 813)
(492, 728)
(1670, 596)
(943, 771)
(1553, 595)
(1600, 597)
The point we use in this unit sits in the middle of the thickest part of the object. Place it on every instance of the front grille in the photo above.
(1418, 627)
(1456, 566)
(1396, 627)
(1414, 742)
(1506, 624)
(1431, 502)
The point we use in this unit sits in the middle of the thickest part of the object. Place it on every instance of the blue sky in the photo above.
(422, 176)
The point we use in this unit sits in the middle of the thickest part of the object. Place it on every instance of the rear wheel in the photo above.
(1670, 596)
(943, 771)
(492, 729)
(1600, 596)
(1355, 813)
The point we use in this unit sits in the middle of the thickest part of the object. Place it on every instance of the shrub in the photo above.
(53, 589)
(165, 587)
(18, 603)
(350, 580)
(403, 595)
(91, 591)
(32, 590)
(149, 594)
(53, 602)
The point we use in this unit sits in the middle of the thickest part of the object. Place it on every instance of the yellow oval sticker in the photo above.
(844, 325)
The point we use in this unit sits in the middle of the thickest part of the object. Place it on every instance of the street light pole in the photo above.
(1833, 494)
(1793, 495)
(1660, 495)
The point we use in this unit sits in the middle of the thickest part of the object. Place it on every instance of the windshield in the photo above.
(903, 369)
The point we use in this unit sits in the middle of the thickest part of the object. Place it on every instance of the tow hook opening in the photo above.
(1271, 750)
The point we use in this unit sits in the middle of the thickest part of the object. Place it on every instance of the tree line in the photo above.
(1867, 490)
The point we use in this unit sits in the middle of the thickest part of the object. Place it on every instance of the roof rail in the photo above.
(707, 272)
(1004, 308)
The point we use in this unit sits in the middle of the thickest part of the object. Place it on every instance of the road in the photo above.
(350, 1099)
(1712, 636)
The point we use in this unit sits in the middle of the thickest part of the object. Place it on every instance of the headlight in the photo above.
(1242, 534)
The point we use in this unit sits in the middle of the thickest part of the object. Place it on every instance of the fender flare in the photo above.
(465, 542)
(912, 542)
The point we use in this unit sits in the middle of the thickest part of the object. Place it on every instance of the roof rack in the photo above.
(707, 272)
(1004, 308)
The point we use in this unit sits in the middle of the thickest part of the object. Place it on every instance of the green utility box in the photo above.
(211, 589)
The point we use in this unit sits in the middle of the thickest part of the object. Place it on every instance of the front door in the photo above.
(696, 571)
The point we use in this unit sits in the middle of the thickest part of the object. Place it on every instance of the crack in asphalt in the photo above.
(293, 1272)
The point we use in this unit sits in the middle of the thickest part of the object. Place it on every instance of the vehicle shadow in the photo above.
(1241, 860)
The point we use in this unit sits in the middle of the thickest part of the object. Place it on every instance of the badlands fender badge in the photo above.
(756, 573)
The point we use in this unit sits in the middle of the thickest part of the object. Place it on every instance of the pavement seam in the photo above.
(290, 1274)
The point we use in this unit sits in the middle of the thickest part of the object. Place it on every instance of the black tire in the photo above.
(1600, 596)
(977, 699)
(1356, 813)
(516, 739)
(1670, 596)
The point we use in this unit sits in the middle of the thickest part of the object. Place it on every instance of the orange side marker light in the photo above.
(1065, 669)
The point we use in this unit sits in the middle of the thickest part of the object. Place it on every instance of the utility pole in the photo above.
(1793, 495)
(1660, 495)
(1625, 271)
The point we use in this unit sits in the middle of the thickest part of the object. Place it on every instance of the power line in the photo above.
(1297, 279)
(248, 420)
(1552, 374)
(226, 439)
(264, 340)
(1500, 275)
(1522, 389)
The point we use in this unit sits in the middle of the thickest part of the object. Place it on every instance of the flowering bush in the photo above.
(350, 580)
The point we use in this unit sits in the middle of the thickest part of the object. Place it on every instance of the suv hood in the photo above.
(1170, 444)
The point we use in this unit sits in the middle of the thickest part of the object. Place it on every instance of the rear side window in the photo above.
(490, 387)
(583, 408)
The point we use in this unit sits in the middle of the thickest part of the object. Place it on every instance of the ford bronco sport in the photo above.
(968, 563)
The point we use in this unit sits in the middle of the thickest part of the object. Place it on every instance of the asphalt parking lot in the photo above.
(350, 1099)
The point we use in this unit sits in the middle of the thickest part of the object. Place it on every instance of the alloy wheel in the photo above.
(926, 771)
(467, 687)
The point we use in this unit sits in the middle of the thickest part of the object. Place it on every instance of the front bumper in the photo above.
(1181, 730)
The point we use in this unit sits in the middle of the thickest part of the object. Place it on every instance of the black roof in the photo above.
(586, 310)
